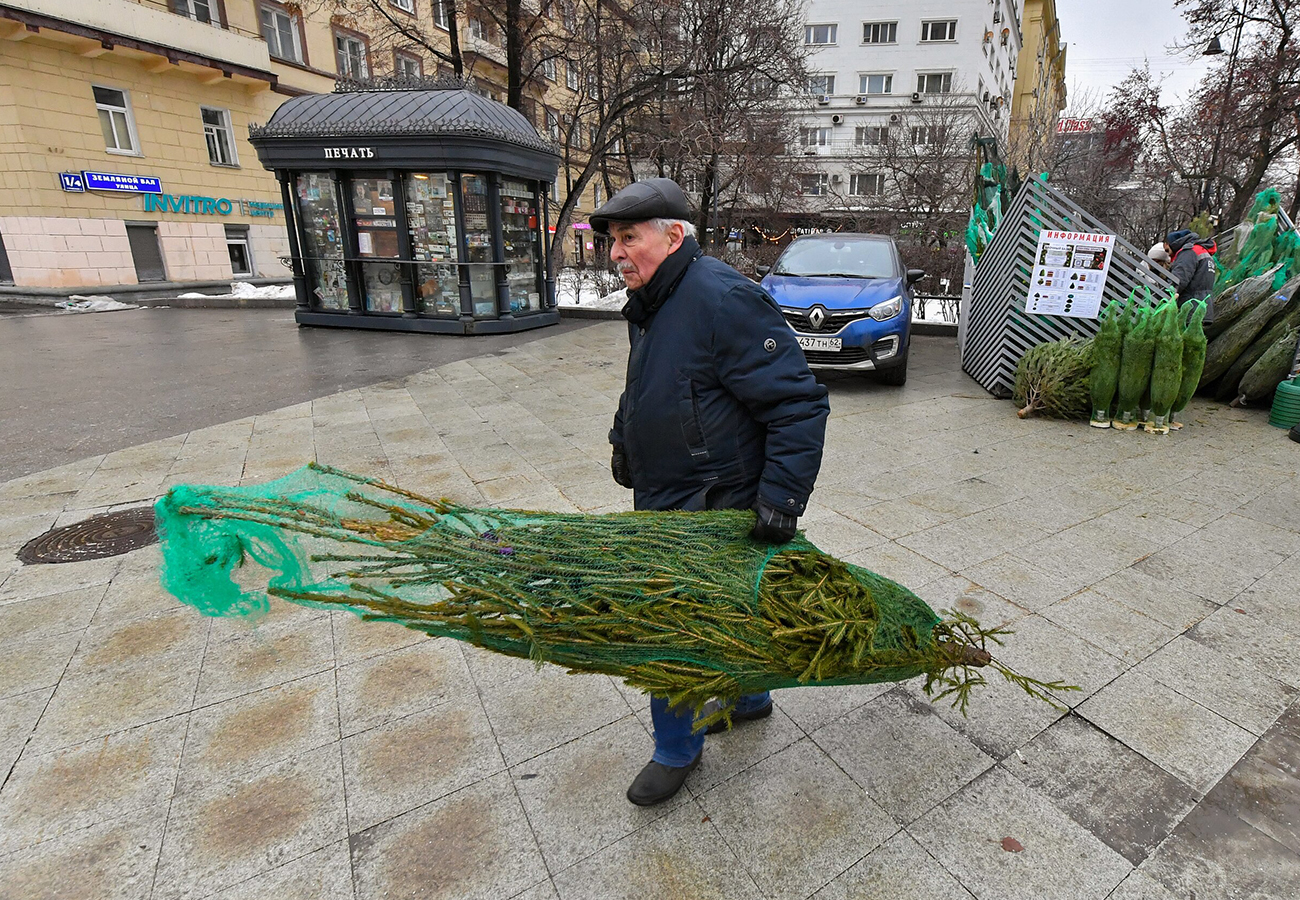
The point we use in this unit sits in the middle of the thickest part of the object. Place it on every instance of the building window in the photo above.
(597, 196)
(875, 84)
(927, 135)
(879, 32)
(219, 135)
(814, 137)
(479, 29)
(241, 258)
(553, 126)
(819, 34)
(934, 82)
(441, 18)
(871, 135)
(571, 77)
(116, 121)
(943, 30)
(280, 29)
(815, 185)
(350, 55)
(821, 85)
(406, 6)
(199, 10)
(406, 65)
(867, 185)
(591, 136)
(548, 69)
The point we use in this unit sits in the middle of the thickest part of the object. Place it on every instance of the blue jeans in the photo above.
(675, 745)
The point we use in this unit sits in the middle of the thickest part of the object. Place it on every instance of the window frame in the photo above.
(823, 187)
(882, 24)
(821, 133)
(860, 132)
(828, 85)
(296, 27)
(572, 77)
(441, 19)
(337, 32)
(484, 27)
(864, 84)
(397, 5)
(935, 135)
(214, 12)
(229, 127)
(810, 33)
(856, 179)
(550, 70)
(240, 236)
(399, 55)
(951, 25)
(128, 113)
(945, 82)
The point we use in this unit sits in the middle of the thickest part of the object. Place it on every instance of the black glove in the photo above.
(618, 465)
(773, 526)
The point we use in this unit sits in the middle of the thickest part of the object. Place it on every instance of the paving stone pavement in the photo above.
(148, 752)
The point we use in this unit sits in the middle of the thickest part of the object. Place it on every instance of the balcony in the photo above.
(148, 30)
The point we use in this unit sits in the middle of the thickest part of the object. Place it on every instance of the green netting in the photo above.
(1256, 245)
(680, 604)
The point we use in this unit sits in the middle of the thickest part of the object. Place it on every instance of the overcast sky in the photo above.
(1107, 38)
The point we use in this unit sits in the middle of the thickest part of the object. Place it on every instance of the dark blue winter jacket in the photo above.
(719, 406)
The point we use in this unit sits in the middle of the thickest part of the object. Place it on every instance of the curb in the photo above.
(160, 293)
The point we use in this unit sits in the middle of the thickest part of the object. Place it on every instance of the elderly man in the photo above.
(719, 410)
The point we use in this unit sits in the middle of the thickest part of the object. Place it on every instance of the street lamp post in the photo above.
(1214, 49)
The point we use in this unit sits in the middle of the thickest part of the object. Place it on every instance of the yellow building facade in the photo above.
(1039, 93)
(124, 127)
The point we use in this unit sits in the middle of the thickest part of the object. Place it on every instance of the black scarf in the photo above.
(645, 301)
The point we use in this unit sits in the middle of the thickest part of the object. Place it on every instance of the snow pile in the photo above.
(574, 288)
(93, 303)
(242, 290)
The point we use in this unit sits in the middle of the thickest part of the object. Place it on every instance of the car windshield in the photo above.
(847, 258)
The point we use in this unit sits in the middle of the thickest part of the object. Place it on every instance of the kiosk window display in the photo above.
(416, 210)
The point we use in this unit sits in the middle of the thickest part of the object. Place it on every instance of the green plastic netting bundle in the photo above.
(680, 604)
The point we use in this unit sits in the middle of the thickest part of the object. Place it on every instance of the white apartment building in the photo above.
(896, 70)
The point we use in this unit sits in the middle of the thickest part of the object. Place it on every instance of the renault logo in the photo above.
(817, 317)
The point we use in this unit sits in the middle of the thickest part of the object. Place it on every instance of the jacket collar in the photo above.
(645, 301)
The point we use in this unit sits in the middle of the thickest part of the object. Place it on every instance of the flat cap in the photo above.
(653, 198)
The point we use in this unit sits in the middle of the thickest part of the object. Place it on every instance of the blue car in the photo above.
(848, 299)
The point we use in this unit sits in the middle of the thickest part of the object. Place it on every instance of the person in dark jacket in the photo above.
(719, 411)
(1192, 265)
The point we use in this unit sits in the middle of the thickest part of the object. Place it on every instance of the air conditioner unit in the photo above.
(861, 100)
(916, 96)
(986, 96)
(810, 152)
(837, 179)
(895, 118)
(823, 99)
(997, 16)
(837, 119)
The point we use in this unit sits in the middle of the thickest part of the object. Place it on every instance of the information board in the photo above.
(128, 184)
(1069, 273)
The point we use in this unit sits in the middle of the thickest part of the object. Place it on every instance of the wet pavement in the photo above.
(158, 754)
(75, 384)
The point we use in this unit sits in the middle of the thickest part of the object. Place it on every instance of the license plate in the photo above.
(821, 343)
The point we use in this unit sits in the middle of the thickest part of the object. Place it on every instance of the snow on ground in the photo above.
(93, 303)
(242, 290)
(573, 288)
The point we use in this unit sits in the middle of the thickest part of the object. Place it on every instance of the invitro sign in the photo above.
(208, 206)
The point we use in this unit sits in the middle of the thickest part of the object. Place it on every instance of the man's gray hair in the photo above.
(662, 225)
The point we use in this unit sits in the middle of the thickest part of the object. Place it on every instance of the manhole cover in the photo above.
(110, 534)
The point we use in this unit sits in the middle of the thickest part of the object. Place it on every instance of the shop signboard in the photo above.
(125, 184)
(1069, 273)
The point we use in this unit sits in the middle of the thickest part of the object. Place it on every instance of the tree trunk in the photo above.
(453, 31)
(514, 56)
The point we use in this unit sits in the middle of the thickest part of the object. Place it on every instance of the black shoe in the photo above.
(721, 725)
(657, 782)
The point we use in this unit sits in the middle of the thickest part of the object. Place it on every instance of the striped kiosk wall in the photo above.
(997, 330)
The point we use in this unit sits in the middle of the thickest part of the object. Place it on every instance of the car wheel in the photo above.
(894, 377)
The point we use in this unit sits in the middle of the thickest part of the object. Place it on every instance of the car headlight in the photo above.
(887, 310)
